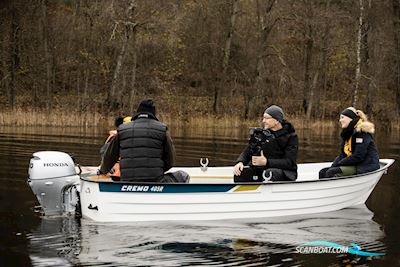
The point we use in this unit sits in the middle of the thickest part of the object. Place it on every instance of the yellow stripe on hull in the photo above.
(243, 188)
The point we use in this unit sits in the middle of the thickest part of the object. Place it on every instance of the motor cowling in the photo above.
(53, 179)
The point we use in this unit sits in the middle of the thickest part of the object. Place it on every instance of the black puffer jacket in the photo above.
(145, 148)
(281, 151)
(141, 144)
(364, 153)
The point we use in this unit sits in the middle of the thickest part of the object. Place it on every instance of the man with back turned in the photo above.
(145, 149)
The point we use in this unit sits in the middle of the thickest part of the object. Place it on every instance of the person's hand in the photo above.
(238, 168)
(259, 160)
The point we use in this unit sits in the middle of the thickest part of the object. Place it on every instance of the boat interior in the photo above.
(224, 175)
(217, 175)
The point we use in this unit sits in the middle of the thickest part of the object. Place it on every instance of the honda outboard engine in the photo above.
(53, 179)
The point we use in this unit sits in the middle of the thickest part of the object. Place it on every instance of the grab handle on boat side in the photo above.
(267, 178)
(204, 165)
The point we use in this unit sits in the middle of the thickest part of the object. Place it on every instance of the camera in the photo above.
(258, 137)
(253, 174)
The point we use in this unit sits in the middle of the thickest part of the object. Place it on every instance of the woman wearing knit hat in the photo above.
(358, 153)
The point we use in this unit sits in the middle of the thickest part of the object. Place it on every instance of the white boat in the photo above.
(210, 195)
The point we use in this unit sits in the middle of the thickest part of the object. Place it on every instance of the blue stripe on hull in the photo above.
(163, 188)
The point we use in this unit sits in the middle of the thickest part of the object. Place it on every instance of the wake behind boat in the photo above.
(210, 195)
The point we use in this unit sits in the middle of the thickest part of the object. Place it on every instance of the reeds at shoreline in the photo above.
(58, 118)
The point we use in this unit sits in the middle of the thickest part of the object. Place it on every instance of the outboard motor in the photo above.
(53, 179)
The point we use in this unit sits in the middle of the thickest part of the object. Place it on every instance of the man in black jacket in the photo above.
(144, 147)
(279, 154)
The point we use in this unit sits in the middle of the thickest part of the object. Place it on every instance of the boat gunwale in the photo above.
(387, 162)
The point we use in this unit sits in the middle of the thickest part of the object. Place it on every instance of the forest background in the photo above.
(84, 62)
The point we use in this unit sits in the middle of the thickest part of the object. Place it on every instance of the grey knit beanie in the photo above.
(275, 112)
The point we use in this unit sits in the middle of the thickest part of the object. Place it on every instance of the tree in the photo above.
(46, 51)
(396, 35)
(128, 28)
(311, 32)
(358, 52)
(323, 67)
(308, 55)
(11, 56)
(103, 55)
(227, 53)
(266, 21)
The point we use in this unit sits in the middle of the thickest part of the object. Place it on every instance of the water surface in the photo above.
(27, 239)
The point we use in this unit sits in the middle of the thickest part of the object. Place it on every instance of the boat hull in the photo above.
(124, 202)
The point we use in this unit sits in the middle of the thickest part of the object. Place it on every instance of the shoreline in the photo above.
(72, 119)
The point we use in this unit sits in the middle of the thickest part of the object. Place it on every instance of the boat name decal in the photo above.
(142, 188)
(164, 188)
(61, 164)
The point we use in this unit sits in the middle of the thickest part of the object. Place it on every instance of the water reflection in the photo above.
(61, 239)
(266, 242)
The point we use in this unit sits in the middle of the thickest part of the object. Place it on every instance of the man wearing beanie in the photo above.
(278, 154)
(144, 147)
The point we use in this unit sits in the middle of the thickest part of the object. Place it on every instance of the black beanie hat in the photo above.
(349, 113)
(275, 112)
(147, 106)
(119, 121)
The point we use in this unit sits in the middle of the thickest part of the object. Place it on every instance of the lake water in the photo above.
(27, 239)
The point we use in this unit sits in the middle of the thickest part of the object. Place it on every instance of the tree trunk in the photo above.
(265, 24)
(396, 23)
(249, 104)
(78, 92)
(311, 95)
(117, 71)
(217, 99)
(14, 56)
(367, 45)
(324, 61)
(132, 90)
(358, 53)
(307, 90)
(227, 54)
(85, 103)
(121, 93)
(69, 42)
(133, 78)
(5, 68)
(368, 69)
(228, 42)
(128, 27)
(47, 55)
